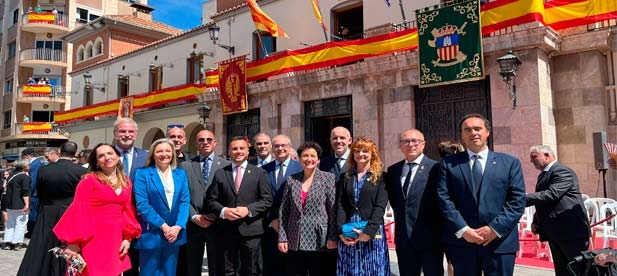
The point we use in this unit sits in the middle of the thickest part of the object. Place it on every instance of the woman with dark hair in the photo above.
(449, 147)
(362, 198)
(162, 199)
(101, 221)
(307, 215)
(17, 205)
(3, 199)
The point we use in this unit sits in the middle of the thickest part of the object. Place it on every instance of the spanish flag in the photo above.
(263, 21)
(318, 14)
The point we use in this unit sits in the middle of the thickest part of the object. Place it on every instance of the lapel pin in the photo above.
(249, 171)
(422, 167)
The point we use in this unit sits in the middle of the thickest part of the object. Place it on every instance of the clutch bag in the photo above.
(347, 228)
(74, 267)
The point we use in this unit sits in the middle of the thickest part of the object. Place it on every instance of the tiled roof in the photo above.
(132, 20)
(236, 7)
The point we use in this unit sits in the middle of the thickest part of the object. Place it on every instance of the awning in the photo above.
(10, 157)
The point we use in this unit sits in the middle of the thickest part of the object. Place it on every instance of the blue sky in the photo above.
(182, 14)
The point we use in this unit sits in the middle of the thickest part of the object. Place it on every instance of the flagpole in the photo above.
(400, 3)
(262, 43)
(325, 34)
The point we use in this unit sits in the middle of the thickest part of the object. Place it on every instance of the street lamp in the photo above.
(508, 65)
(204, 117)
(89, 86)
(87, 78)
(213, 31)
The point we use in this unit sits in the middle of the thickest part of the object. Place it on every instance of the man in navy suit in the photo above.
(482, 197)
(340, 139)
(35, 164)
(278, 171)
(412, 190)
(240, 195)
(125, 133)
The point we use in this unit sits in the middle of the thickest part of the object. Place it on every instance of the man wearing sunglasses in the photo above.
(200, 230)
(177, 135)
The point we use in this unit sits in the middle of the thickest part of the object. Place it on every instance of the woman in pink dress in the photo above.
(101, 221)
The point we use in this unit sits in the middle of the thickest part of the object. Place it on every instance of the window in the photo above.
(156, 78)
(8, 87)
(42, 116)
(85, 16)
(98, 47)
(80, 53)
(49, 44)
(12, 50)
(7, 120)
(268, 47)
(15, 16)
(123, 86)
(194, 66)
(88, 50)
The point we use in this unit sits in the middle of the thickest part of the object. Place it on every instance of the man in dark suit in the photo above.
(560, 216)
(240, 195)
(177, 135)
(482, 197)
(263, 147)
(278, 171)
(412, 190)
(133, 158)
(35, 164)
(340, 139)
(200, 230)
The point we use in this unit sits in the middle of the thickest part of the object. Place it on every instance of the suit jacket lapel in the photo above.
(158, 184)
(466, 171)
(295, 193)
(177, 181)
(230, 179)
(419, 180)
(196, 167)
(490, 169)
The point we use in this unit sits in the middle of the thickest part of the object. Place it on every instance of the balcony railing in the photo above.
(45, 18)
(43, 54)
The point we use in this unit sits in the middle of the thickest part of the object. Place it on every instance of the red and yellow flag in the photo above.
(317, 12)
(263, 21)
(36, 127)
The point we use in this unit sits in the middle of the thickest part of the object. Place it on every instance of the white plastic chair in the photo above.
(585, 196)
(609, 228)
(525, 230)
(593, 214)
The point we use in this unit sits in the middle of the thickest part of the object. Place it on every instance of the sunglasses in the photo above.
(203, 140)
(174, 125)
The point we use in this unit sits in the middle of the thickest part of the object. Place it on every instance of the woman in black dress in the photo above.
(56, 185)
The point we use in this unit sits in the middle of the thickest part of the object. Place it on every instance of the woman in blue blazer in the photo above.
(162, 201)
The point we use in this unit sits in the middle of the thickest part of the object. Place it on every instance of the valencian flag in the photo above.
(317, 11)
(263, 21)
(232, 85)
(450, 44)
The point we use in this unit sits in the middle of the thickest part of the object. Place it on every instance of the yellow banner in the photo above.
(41, 17)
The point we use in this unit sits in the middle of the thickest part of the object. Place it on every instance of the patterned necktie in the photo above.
(408, 178)
(279, 176)
(476, 172)
(125, 162)
(205, 170)
(238, 180)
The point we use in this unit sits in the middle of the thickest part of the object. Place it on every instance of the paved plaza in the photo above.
(10, 261)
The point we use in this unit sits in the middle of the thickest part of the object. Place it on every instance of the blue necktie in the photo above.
(476, 172)
(125, 162)
(408, 179)
(205, 171)
(279, 176)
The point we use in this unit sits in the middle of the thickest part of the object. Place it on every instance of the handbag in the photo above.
(347, 228)
(74, 267)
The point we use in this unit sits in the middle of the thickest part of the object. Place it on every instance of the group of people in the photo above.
(153, 212)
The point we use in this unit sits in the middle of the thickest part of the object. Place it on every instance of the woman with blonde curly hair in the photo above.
(101, 221)
(362, 198)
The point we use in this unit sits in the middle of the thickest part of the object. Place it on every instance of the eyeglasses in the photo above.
(174, 125)
(411, 142)
(203, 140)
(276, 146)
